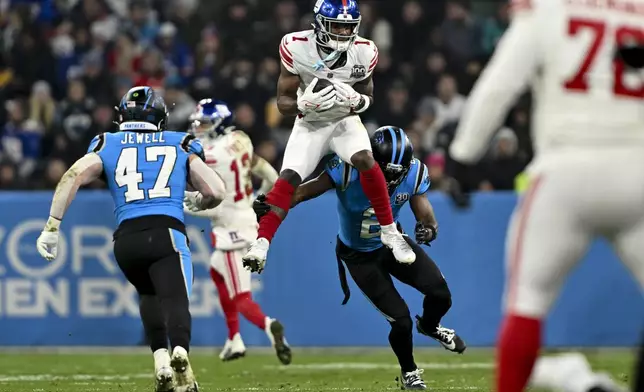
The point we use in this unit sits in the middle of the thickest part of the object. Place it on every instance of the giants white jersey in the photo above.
(299, 53)
(231, 156)
(564, 50)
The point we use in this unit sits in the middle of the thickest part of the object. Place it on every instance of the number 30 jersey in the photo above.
(234, 222)
(565, 51)
(146, 172)
(359, 228)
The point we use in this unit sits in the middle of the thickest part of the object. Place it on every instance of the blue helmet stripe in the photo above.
(147, 100)
(402, 149)
(394, 150)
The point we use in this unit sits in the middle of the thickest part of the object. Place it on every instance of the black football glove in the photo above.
(260, 206)
(460, 198)
(425, 234)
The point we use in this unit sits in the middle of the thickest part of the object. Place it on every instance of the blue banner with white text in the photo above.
(81, 298)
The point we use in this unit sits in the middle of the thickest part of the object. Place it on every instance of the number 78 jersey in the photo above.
(565, 50)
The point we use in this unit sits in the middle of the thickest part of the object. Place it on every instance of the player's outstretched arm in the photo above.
(287, 86)
(83, 171)
(312, 189)
(426, 224)
(262, 169)
(212, 189)
(515, 62)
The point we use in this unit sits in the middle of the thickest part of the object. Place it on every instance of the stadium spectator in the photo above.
(64, 67)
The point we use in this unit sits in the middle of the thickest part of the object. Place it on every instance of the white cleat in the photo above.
(275, 332)
(164, 376)
(395, 241)
(255, 259)
(184, 376)
(233, 348)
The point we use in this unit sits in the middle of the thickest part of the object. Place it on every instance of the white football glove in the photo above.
(316, 102)
(47, 244)
(346, 96)
(190, 201)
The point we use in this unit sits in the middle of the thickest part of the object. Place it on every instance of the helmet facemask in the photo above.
(205, 127)
(394, 174)
(337, 34)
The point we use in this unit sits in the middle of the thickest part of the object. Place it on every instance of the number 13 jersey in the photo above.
(234, 223)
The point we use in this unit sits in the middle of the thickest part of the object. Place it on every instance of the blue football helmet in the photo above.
(212, 118)
(336, 23)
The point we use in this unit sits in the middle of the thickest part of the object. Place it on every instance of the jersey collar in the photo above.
(137, 126)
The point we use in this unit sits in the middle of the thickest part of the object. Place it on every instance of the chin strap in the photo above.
(329, 58)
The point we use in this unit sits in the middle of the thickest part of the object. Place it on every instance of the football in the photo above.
(321, 85)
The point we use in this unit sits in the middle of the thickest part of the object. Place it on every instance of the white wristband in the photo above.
(367, 103)
(52, 224)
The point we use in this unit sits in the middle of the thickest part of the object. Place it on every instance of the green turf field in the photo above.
(324, 370)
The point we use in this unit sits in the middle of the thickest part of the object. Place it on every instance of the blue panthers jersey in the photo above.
(359, 228)
(146, 172)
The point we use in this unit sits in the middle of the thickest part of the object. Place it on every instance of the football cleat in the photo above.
(412, 381)
(275, 332)
(164, 376)
(255, 258)
(164, 381)
(184, 376)
(233, 349)
(603, 383)
(445, 336)
(399, 247)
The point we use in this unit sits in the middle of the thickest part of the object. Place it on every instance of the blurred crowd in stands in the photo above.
(64, 64)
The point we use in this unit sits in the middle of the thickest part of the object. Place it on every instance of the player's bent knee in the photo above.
(442, 295)
(291, 177)
(402, 324)
(363, 160)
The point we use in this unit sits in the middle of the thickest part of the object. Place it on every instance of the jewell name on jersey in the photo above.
(146, 138)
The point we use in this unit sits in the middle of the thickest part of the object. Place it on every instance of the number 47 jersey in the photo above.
(146, 172)
(565, 50)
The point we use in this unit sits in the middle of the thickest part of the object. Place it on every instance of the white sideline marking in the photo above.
(372, 366)
(76, 377)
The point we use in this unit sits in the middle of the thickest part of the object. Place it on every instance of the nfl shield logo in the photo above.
(358, 71)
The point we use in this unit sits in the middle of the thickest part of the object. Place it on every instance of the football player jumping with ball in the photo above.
(327, 120)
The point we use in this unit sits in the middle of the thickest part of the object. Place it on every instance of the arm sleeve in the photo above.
(422, 181)
(373, 59)
(97, 143)
(287, 56)
(512, 67)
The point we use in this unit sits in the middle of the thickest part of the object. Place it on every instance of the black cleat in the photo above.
(275, 331)
(445, 336)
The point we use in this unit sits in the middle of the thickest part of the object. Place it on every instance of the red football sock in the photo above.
(280, 196)
(517, 351)
(374, 187)
(250, 310)
(227, 304)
